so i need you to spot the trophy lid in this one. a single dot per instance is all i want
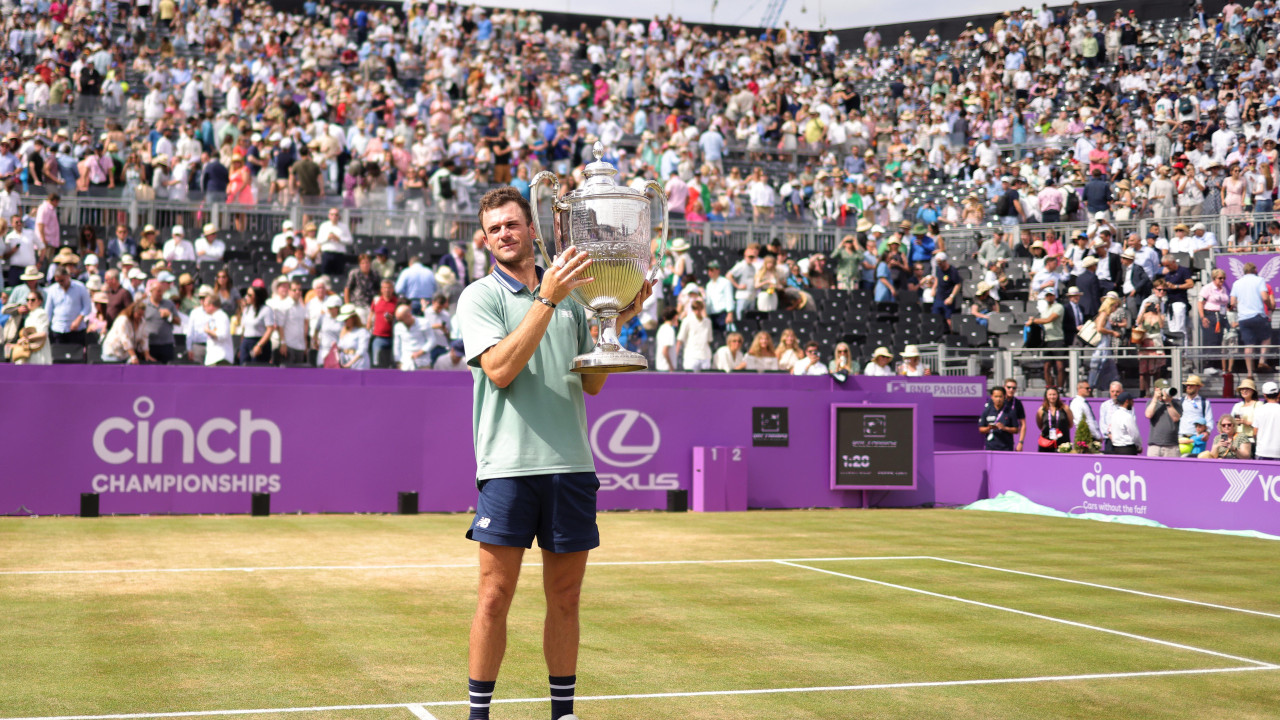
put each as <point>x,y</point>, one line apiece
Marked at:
<point>600,173</point>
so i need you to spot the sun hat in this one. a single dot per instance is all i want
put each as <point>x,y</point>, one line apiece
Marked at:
<point>1247,384</point>
<point>148,229</point>
<point>679,245</point>
<point>178,230</point>
<point>91,259</point>
<point>210,228</point>
<point>1129,254</point>
<point>1113,295</point>
<point>348,311</point>
<point>93,284</point>
<point>204,291</point>
<point>1193,380</point>
<point>983,288</point>
<point>864,225</point>
<point>1090,261</point>
<point>31,273</point>
<point>882,351</point>
<point>100,297</point>
<point>137,274</point>
<point>910,351</point>
<point>127,259</point>
<point>66,257</point>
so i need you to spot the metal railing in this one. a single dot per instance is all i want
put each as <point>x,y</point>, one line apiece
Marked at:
<point>1099,366</point>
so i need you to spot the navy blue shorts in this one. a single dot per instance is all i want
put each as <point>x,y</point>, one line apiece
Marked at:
<point>1255,330</point>
<point>558,509</point>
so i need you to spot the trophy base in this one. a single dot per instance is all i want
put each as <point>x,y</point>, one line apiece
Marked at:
<point>609,361</point>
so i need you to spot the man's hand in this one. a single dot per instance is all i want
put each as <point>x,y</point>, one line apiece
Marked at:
<point>645,291</point>
<point>566,275</point>
<point>75,324</point>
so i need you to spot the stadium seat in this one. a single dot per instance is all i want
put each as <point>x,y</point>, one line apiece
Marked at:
<point>999,323</point>
<point>67,353</point>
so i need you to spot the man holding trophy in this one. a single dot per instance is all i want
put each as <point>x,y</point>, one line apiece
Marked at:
<point>532,357</point>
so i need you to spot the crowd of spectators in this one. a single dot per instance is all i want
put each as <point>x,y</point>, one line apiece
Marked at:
<point>1178,426</point>
<point>1039,118</point>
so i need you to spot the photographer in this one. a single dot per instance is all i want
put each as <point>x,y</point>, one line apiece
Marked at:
<point>1163,411</point>
<point>999,421</point>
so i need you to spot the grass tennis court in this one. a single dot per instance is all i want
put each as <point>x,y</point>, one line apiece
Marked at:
<point>803,614</point>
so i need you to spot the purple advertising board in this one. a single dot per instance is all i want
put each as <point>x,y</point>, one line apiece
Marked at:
<point>200,440</point>
<point>1232,264</point>
<point>1201,494</point>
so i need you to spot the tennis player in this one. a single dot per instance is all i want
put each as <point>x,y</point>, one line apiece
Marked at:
<point>534,467</point>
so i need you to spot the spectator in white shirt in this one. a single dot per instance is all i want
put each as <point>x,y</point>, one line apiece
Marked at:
<point>719,294</point>
<point>437,323</point>
<point>179,248</point>
<point>209,331</point>
<point>455,359</point>
<point>290,317</point>
<point>730,357</point>
<point>209,249</point>
<point>326,327</point>
<point>286,236</point>
<point>1266,425</point>
<point>1124,427</point>
<point>334,238</point>
<point>665,355</point>
<point>1080,408</point>
<point>693,341</point>
<point>411,341</point>
<point>811,363</point>
<point>881,364</point>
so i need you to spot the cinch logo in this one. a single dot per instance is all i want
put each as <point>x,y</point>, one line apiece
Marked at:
<point>936,389</point>
<point>1238,481</point>
<point>147,444</point>
<point>619,453</point>
<point>1098,484</point>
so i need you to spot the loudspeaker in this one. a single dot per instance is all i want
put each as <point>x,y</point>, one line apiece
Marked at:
<point>407,503</point>
<point>261,504</point>
<point>677,501</point>
<point>89,505</point>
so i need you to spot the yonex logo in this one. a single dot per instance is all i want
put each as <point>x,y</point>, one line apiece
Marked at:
<point>1239,481</point>
<point>617,452</point>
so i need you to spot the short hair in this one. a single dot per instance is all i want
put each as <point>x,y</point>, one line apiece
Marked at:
<point>995,389</point>
<point>811,344</point>
<point>669,314</point>
<point>440,297</point>
<point>498,197</point>
<point>1010,380</point>
<point>364,256</point>
<point>1250,268</point>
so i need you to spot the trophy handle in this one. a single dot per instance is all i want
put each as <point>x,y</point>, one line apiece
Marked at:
<point>538,179</point>
<point>666,227</point>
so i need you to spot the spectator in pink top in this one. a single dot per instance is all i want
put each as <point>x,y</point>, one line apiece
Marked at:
<point>1053,246</point>
<point>1051,200</point>
<point>48,230</point>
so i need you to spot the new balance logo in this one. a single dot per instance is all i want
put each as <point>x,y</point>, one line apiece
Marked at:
<point>1239,481</point>
<point>482,523</point>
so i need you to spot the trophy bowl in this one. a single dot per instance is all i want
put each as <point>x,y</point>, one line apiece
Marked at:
<point>613,225</point>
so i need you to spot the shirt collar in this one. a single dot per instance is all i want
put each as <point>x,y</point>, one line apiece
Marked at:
<point>511,283</point>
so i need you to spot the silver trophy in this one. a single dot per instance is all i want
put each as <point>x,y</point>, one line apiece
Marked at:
<point>611,223</point>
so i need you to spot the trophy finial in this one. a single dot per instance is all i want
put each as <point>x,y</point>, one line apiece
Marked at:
<point>597,150</point>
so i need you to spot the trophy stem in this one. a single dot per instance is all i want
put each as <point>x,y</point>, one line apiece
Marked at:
<point>608,333</point>
<point>609,356</point>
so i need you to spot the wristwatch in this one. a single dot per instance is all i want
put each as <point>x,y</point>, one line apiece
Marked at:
<point>545,301</point>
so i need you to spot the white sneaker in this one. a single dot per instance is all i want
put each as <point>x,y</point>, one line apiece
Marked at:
<point>568,717</point>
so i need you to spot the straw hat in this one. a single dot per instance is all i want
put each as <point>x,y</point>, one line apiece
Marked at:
<point>347,311</point>
<point>984,287</point>
<point>31,273</point>
<point>1247,384</point>
<point>910,351</point>
<point>864,225</point>
<point>882,351</point>
<point>210,228</point>
<point>1193,380</point>
<point>66,257</point>
<point>680,245</point>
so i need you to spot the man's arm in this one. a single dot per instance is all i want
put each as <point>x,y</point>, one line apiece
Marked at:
<point>504,361</point>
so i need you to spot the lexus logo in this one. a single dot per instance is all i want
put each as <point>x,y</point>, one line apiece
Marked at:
<point>617,452</point>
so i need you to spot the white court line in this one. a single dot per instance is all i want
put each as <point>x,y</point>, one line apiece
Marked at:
<point>648,696</point>
<point>1072,623</point>
<point>420,712</point>
<point>1110,587</point>
<point>437,566</point>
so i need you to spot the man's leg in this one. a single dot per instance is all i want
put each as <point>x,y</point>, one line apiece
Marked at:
<point>562,575</point>
<point>499,572</point>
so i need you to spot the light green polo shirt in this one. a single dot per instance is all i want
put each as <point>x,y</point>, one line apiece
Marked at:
<point>537,425</point>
